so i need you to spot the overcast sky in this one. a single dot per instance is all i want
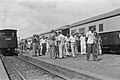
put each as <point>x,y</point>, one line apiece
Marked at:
<point>37,16</point>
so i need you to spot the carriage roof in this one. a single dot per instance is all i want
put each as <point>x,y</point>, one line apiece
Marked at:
<point>8,30</point>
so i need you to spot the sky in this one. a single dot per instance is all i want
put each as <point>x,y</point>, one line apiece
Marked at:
<point>38,16</point>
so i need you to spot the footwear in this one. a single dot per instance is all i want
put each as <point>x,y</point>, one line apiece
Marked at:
<point>74,57</point>
<point>40,55</point>
<point>88,60</point>
<point>95,60</point>
<point>34,55</point>
<point>60,58</point>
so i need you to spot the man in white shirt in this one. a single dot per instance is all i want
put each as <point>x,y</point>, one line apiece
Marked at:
<point>90,44</point>
<point>61,39</point>
<point>83,43</point>
<point>44,48</point>
<point>72,41</point>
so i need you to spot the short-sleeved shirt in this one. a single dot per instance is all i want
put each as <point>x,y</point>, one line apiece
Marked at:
<point>82,39</point>
<point>67,39</point>
<point>43,40</point>
<point>76,38</point>
<point>90,37</point>
<point>61,38</point>
<point>72,39</point>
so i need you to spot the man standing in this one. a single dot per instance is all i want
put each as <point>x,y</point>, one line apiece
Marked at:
<point>43,42</point>
<point>38,45</point>
<point>99,45</point>
<point>56,45</point>
<point>34,44</point>
<point>83,43</point>
<point>90,44</point>
<point>67,45</point>
<point>52,43</point>
<point>61,39</point>
<point>73,43</point>
<point>76,43</point>
<point>21,46</point>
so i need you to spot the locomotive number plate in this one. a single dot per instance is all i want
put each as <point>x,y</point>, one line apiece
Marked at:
<point>8,39</point>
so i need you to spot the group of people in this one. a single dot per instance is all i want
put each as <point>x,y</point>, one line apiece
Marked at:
<point>22,45</point>
<point>60,46</point>
<point>64,46</point>
<point>37,45</point>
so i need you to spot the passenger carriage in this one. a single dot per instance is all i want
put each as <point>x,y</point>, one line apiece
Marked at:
<point>108,27</point>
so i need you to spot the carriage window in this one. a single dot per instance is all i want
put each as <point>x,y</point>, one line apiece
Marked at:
<point>2,33</point>
<point>94,26</point>
<point>6,34</point>
<point>73,31</point>
<point>12,33</point>
<point>100,27</point>
<point>82,30</point>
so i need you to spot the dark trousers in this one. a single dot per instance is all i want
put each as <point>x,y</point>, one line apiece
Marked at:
<point>91,48</point>
<point>44,48</point>
<point>56,51</point>
<point>52,51</point>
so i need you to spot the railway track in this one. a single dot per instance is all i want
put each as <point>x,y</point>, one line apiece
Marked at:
<point>19,69</point>
<point>12,72</point>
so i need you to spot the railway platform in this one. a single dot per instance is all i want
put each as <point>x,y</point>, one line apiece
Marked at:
<point>3,74</point>
<point>106,68</point>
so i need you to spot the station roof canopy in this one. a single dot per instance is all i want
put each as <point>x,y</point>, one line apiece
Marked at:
<point>97,18</point>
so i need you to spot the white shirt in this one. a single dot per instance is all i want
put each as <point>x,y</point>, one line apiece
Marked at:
<point>82,39</point>
<point>43,40</point>
<point>67,39</point>
<point>61,38</point>
<point>90,37</point>
<point>72,39</point>
<point>76,38</point>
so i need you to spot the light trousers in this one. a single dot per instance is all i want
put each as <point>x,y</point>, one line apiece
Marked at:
<point>61,50</point>
<point>66,48</point>
<point>73,49</point>
<point>83,48</point>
